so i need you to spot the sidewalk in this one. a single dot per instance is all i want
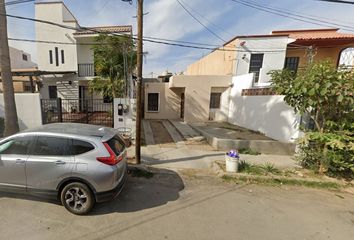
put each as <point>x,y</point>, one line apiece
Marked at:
<point>189,158</point>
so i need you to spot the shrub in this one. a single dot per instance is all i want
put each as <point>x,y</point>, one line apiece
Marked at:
<point>330,152</point>
<point>326,95</point>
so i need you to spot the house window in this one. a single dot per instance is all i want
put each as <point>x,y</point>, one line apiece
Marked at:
<point>27,87</point>
<point>256,64</point>
<point>62,56</point>
<point>50,56</point>
<point>291,63</point>
<point>24,57</point>
<point>52,92</point>
<point>153,102</point>
<point>56,56</point>
<point>215,100</point>
<point>346,59</point>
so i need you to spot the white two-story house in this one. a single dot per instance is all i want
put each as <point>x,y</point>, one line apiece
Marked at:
<point>66,54</point>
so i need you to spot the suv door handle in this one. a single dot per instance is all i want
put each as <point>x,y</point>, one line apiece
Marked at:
<point>20,161</point>
<point>59,162</point>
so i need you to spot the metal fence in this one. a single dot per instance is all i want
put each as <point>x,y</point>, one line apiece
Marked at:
<point>90,111</point>
<point>86,70</point>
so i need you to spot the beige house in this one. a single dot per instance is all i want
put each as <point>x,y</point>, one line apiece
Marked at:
<point>232,84</point>
<point>190,98</point>
<point>22,68</point>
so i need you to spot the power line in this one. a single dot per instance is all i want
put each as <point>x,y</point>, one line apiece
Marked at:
<point>310,15</point>
<point>101,8</point>
<point>291,15</point>
<point>195,18</point>
<point>337,1</point>
<point>17,2</point>
<point>157,42</point>
<point>146,39</point>
<point>206,19</point>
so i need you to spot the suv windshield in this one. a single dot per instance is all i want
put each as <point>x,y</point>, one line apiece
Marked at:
<point>116,144</point>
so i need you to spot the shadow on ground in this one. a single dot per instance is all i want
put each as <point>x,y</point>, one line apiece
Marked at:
<point>143,193</point>
<point>139,193</point>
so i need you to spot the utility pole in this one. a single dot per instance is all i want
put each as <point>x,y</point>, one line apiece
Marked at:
<point>11,120</point>
<point>310,52</point>
<point>139,82</point>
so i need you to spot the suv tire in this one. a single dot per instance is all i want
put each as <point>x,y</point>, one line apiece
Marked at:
<point>77,198</point>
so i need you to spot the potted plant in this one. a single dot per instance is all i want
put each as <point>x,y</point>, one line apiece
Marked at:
<point>232,159</point>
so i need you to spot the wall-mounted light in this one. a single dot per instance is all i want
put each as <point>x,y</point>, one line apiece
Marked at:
<point>244,56</point>
<point>70,82</point>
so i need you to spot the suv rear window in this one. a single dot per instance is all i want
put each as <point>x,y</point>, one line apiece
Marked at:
<point>80,147</point>
<point>116,144</point>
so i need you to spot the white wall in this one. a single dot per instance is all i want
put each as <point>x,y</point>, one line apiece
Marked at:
<point>128,119</point>
<point>28,109</point>
<point>274,55</point>
<point>17,61</point>
<point>64,89</point>
<point>267,114</point>
<point>85,52</point>
<point>55,12</point>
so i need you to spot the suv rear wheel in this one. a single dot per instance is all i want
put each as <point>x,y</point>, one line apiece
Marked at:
<point>77,198</point>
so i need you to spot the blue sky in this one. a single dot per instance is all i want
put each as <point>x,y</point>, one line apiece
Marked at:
<point>167,19</point>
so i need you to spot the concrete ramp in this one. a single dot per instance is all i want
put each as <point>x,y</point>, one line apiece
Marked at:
<point>187,132</point>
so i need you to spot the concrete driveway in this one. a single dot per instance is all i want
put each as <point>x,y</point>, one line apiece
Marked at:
<point>169,206</point>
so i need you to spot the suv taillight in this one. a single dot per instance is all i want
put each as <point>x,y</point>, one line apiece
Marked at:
<point>112,159</point>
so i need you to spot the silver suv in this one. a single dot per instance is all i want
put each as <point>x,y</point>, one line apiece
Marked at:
<point>78,164</point>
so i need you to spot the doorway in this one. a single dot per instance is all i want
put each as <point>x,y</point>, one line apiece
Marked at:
<point>182,106</point>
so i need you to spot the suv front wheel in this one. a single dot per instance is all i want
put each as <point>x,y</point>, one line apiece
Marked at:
<point>77,198</point>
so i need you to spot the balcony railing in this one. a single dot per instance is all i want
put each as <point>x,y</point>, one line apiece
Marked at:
<point>86,70</point>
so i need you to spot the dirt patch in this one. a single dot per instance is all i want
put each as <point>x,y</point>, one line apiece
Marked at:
<point>161,135</point>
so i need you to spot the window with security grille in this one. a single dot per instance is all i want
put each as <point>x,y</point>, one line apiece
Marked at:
<point>346,58</point>
<point>256,64</point>
<point>292,63</point>
<point>215,100</point>
<point>153,102</point>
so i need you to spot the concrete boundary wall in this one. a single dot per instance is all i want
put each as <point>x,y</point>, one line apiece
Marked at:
<point>28,109</point>
<point>269,115</point>
<point>262,146</point>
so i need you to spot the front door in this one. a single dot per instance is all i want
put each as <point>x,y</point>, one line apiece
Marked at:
<point>13,157</point>
<point>49,162</point>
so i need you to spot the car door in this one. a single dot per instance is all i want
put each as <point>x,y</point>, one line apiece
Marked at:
<point>49,162</point>
<point>13,156</point>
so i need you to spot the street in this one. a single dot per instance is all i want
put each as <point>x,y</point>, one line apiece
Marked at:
<point>187,206</point>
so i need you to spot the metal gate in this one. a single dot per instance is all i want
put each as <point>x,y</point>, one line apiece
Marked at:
<point>90,111</point>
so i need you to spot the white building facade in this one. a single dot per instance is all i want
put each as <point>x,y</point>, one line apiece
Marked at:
<point>21,59</point>
<point>67,53</point>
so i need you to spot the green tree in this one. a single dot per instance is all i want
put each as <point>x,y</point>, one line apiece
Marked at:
<point>114,59</point>
<point>319,90</point>
<point>326,95</point>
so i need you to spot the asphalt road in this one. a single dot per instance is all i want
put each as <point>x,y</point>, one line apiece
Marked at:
<point>169,207</point>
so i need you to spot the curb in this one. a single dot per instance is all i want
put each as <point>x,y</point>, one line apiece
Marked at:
<point>280,179</point>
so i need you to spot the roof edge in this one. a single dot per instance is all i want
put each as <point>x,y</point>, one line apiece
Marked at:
<point>255,36</point>
<point>305,30</point>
